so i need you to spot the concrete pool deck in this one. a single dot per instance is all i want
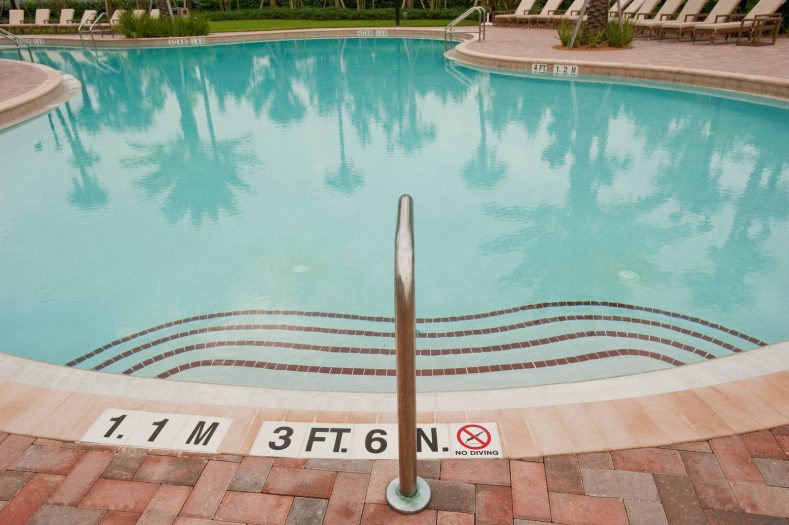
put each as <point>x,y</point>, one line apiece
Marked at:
<point>592,452</point>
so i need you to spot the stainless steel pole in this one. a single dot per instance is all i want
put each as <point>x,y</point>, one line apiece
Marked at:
<point>405,340</point>
<point>408,493</point>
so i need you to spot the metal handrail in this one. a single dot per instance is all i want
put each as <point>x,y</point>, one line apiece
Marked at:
<point>408,493</point>
<point>82,24</point>
<point>93,25</point>
<point>19,41</point>
<point>481,30</point>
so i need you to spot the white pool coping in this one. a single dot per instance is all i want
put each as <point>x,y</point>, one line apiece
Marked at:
<point>745,365</point>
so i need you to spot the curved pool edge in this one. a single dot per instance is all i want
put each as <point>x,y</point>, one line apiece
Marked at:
<point>759,85</point>
<point>54,88</point>
<point>726,396</point>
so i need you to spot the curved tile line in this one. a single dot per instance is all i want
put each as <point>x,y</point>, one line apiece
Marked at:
<point>423,335</point>
<point>431,352</point>
<point>430,372</point>
<point>494,313</point>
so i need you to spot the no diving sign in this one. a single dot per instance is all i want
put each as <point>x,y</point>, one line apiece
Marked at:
<point>315,440</point>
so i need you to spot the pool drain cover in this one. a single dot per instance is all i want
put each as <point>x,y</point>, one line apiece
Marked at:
<point>627,275</point>
<point>301,268</point>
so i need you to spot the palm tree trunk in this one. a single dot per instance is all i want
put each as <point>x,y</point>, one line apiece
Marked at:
<point>597,16</point>
<point>162,5</point>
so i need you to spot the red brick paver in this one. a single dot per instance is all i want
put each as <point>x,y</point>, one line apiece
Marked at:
<point>260,509</point>
<point>587,510</point>
<point>730,480</point>
<point>127,496</point>
<point>300,482</point>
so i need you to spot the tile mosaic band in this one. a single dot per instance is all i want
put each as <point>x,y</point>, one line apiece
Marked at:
<point>430,372</point>
<point>426,320</point>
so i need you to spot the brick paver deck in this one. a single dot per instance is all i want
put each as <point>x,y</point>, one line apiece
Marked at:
<point>730,480</point>
<point>17,78</point>
<point>770,61</point>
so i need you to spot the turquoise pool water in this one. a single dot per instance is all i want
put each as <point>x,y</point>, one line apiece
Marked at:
<point>227,213</point>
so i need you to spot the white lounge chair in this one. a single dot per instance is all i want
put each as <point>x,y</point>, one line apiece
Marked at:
<point>155,14</point>
<point>42,19</point>
<point>572,12</point>
<point>652,27</point>
<point>503,17</point>
<point>66,19</point>
<point>720,12</point>
<point>16,20</point>
<point>762,18</point>
<point>550,7</point>
<point>627,12</point>
<point>646,10</point>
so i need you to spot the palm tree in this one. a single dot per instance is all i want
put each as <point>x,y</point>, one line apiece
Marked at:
<point>597,16</point>
<point>196,178</point>
<point>86,191</point>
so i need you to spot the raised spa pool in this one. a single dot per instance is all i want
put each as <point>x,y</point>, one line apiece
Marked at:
<point>226,214</point>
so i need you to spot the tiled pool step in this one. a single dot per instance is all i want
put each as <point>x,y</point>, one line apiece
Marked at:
<point>266,346</point>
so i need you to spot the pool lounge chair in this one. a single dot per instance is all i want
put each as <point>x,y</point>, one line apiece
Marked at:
<point>42,20</point>
<point>762,19</point>
<point>16,20</point>
<point>572,13</point>
<point>645,10</point>
<point>627,12</point>
<point>88,17</point>
<point>505,17</point>
<point>66,20</point>
<point>721,11</point>
<point>652,27</point>
<point>110,25</point>
<point>550,7</point>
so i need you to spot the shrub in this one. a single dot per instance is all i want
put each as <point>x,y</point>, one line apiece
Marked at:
<point>617,38</point>
<point>565,31</point>
<point>583,38</point>
<point>610,34</point>
<point>147,27</point>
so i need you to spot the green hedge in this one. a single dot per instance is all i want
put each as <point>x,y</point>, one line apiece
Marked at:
<point>329,13</point>
<point>313,9</point>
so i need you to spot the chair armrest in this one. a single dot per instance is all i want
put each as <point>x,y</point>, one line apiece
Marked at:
<point>668,17</point>
<point>555,12</point>
<point>728,18</point>
<point>575,12</point>
<point>643,16</point>
<point>693,17</point>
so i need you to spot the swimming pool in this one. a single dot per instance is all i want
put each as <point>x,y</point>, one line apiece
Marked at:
<point>226,214</point>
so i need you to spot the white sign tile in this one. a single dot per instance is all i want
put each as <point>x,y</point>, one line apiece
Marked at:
<point>158,430</point>
<point>475,440</point>
<point>280,439</point>
<point>202,434</point>
<point>565,70</point>
<point>113,427</point>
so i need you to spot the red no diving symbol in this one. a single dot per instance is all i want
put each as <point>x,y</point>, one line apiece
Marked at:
<point>475,437</point>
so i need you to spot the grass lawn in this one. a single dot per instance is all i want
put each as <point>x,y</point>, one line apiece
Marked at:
<point>263,25</point>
